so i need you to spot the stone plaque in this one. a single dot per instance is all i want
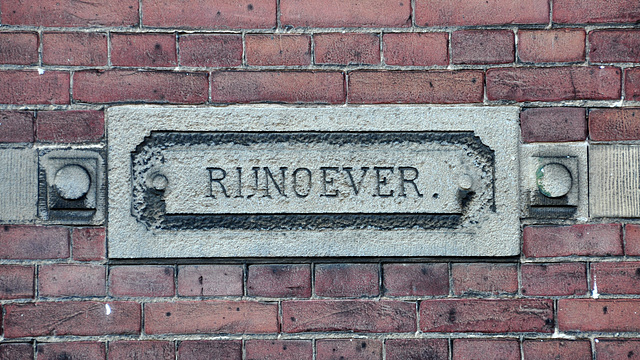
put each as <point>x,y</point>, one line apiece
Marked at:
<point>325,181</point>
<point>614,181</point>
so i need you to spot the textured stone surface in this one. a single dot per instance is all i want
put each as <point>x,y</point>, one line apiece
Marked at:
<point>18,184</point>
<point>614,185</point>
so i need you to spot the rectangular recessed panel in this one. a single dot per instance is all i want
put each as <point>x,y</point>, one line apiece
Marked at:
<point>614,180</point>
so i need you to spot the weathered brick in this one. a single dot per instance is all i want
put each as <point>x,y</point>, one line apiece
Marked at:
<point>556,349</point>
<point>416,349</point>
<point>486,349</point>
<point>279,280</point>
<point>89,244</point>
<point>153,49</point>
<point>632,84</point>
<point>74,48</point>
<point>616,315</point>
<point>553,124</point>
<point>70,126</point>
<point>490,316</point>
<point>614,45</point>
<point>16,351</point>
<point>554,279</point>
<point>277,86</point>
<point>210,50</point>
<point>347,48</point>
<point>481,12</point>
<point>16,126</point>
<point>348,315</point>
<point>29,87</point>
<point>614,124</point>
<point>279,349</point>
<point>210,349</point>
<point>346,13</point>
<point>554,84</point>
<point>16,281</point>
<point>72,280</point>
<point>415,279</point>
<point>617,349</point>
<point>71,350</point>
<point>210,280</point>
<point>212,316</point>
<point>160,350</point>
<point>356,349</point>
<point>140,86</point>
<point>547,46</point>
<point>632,240</point>
<point>19,48</point>
<point>616,277</point>
<point>210,14</point>
<point>416,49</point>
<point>593,11</point>
<point>446,87</point>
<point>583,240</point>
<point>82,318</point>
<point>141,280</point>
<point>33,242</point>
<point>347,280</point>
<point>275,49</point>
<point>484,278</point>
<point>70,13</point>
<point>482,47</point>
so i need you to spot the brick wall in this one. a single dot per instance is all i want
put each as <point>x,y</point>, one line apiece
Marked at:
<point>573,66</point>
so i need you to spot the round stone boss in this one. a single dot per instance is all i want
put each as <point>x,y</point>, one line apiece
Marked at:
<point>72,182</point>
<point>554,180</point>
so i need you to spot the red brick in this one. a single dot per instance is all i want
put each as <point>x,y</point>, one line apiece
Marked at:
<point>71,350</point>
<point>141,280</point>
<point>345,13</point>
<point>614,124</point>
<point>632,240</point>
<point>632,84</point>
<point>339,48</point>
<point>29,87</point>
<point>16,126</point>
<point>593,11</point>
<point>554,279</point>
<point>70,126</point>
<point>16,281</point>
<point>556,349</point>
<point>279,280</point>
<point>553,84</point>
<point>481,12</point>
<point>89,244</point>
<point>446,87</point>
<point>272,49</point>
<point>617,315</point>
<point>140,86</point>
<point>486,349</point>
<point>482,47</point>
<point>34,242</point>
<point>210,280</point>
<point>277,86</point>
<point>490,316</point>
<point>70,13</point>
<point>16,351</point>
<point>348,315</point>
<point>553,124</point>
<point>152,49</point>
<point>547,46</point>
<point>219,50</point>
<point>210,349</point>
<point>212,316</point>
<point>416,349</point>
<point>494,279</point>
<point>614,45</point>
<point>19,48</point>
<point>416,49</point>
<point>210,14</point>
<point>279,349</point>
<point>160,350</point>
<point>347,280</point>
<point>72,280</point>
<point>616,278</point>
<point>582,240</point>
<point>617,349</point>
<point>356,349</point>
<point>415,279</point>
<point>74,48</point>
<point>82,318</point>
